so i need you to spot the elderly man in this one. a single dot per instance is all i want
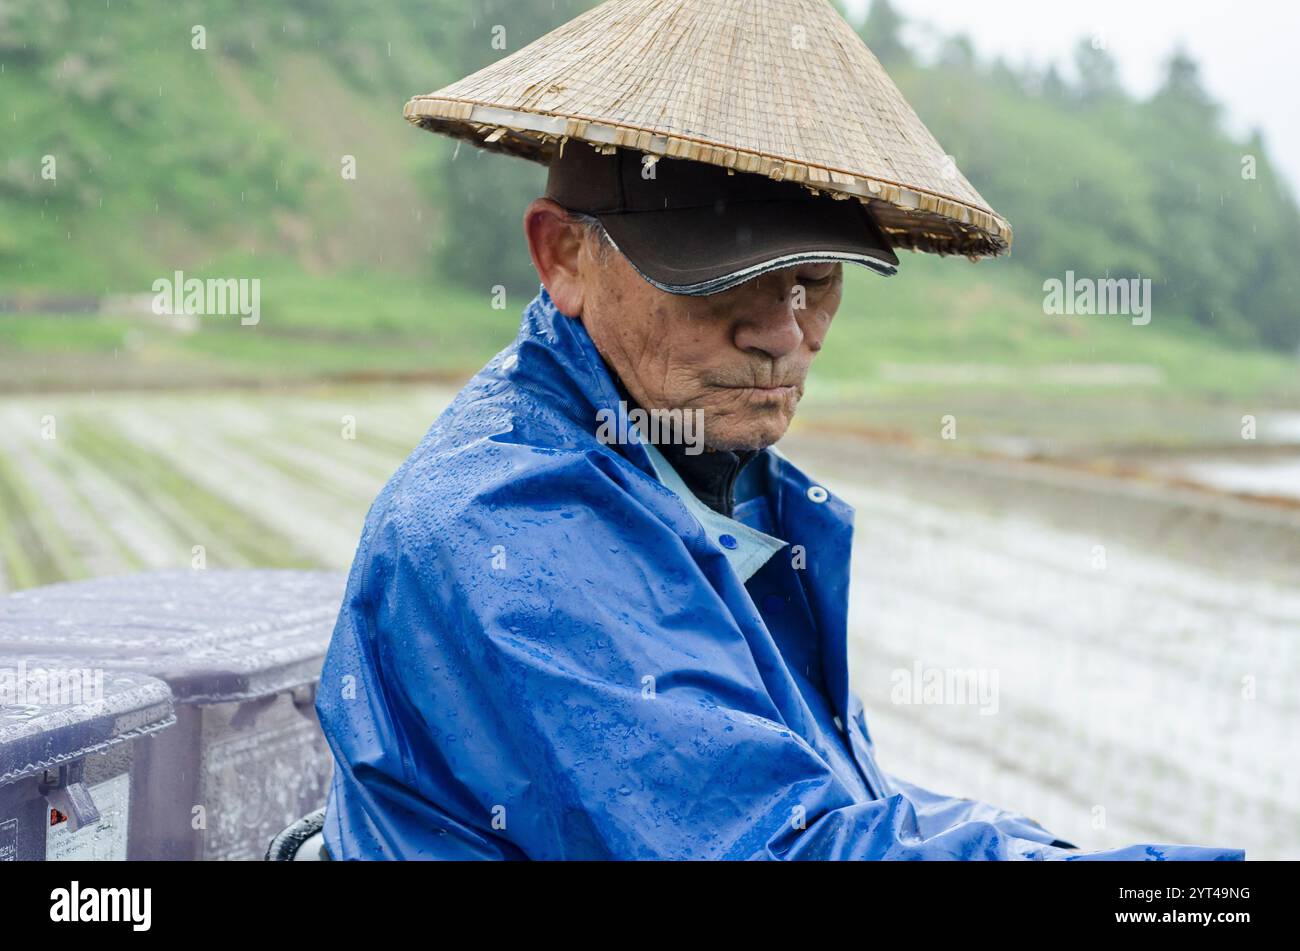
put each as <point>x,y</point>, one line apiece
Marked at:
<point>566,636</point>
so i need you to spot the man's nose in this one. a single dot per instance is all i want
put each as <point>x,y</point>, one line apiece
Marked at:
<point>769,318</point>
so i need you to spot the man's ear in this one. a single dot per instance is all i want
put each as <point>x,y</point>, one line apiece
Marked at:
<point>555,245</point>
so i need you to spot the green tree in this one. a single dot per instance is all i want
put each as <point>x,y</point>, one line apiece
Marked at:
<point>1182,90</point>
<point>883,32</point>
<point>1098,74</point>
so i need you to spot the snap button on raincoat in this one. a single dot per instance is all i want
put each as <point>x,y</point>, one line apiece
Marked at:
<point>543,653</point>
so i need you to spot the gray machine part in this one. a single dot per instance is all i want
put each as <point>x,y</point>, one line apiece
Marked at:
<point>241,652</point>
<point>69,733</point>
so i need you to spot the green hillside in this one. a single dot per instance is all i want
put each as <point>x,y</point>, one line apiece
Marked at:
<point>170,156</point>
<point>228,161</point>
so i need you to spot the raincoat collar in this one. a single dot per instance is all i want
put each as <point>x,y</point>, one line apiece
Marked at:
<point>555,355</point>
<point>747,549</point>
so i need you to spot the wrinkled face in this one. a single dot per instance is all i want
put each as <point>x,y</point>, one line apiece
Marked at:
<point>741,356</point>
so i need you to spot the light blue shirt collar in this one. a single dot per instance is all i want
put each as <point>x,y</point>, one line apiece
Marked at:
<point>747,549</point>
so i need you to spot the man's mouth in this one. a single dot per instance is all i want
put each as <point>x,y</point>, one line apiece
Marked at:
<point>761,387</point>
<point>765,393</point>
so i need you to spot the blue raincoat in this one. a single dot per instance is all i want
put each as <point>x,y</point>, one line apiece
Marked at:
<point>549,649</point>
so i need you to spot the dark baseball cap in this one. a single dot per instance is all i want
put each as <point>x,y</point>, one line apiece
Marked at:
<point>693,228</point>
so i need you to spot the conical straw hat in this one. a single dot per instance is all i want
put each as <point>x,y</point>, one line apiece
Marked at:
<point>782,88</point>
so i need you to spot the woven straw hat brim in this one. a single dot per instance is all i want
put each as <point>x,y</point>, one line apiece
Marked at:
<point>782,88</point>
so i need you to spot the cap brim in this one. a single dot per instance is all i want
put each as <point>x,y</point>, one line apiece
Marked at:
<point>700,251</point>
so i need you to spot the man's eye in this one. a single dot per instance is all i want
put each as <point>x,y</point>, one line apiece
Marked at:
<point>817,281</point>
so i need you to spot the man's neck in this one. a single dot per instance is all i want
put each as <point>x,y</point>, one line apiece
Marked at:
<point>710,474</point>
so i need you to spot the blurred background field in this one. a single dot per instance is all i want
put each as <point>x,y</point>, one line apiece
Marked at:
<point>1120,683</point>
<point>127,439</point>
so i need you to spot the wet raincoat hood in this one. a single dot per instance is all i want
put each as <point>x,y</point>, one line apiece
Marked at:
<point>546,652</point>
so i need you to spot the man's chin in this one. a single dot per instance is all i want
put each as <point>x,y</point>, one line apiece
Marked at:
<point>740,435</point>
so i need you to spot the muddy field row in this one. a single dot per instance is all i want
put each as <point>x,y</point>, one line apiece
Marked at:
<point>1128,693</point>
